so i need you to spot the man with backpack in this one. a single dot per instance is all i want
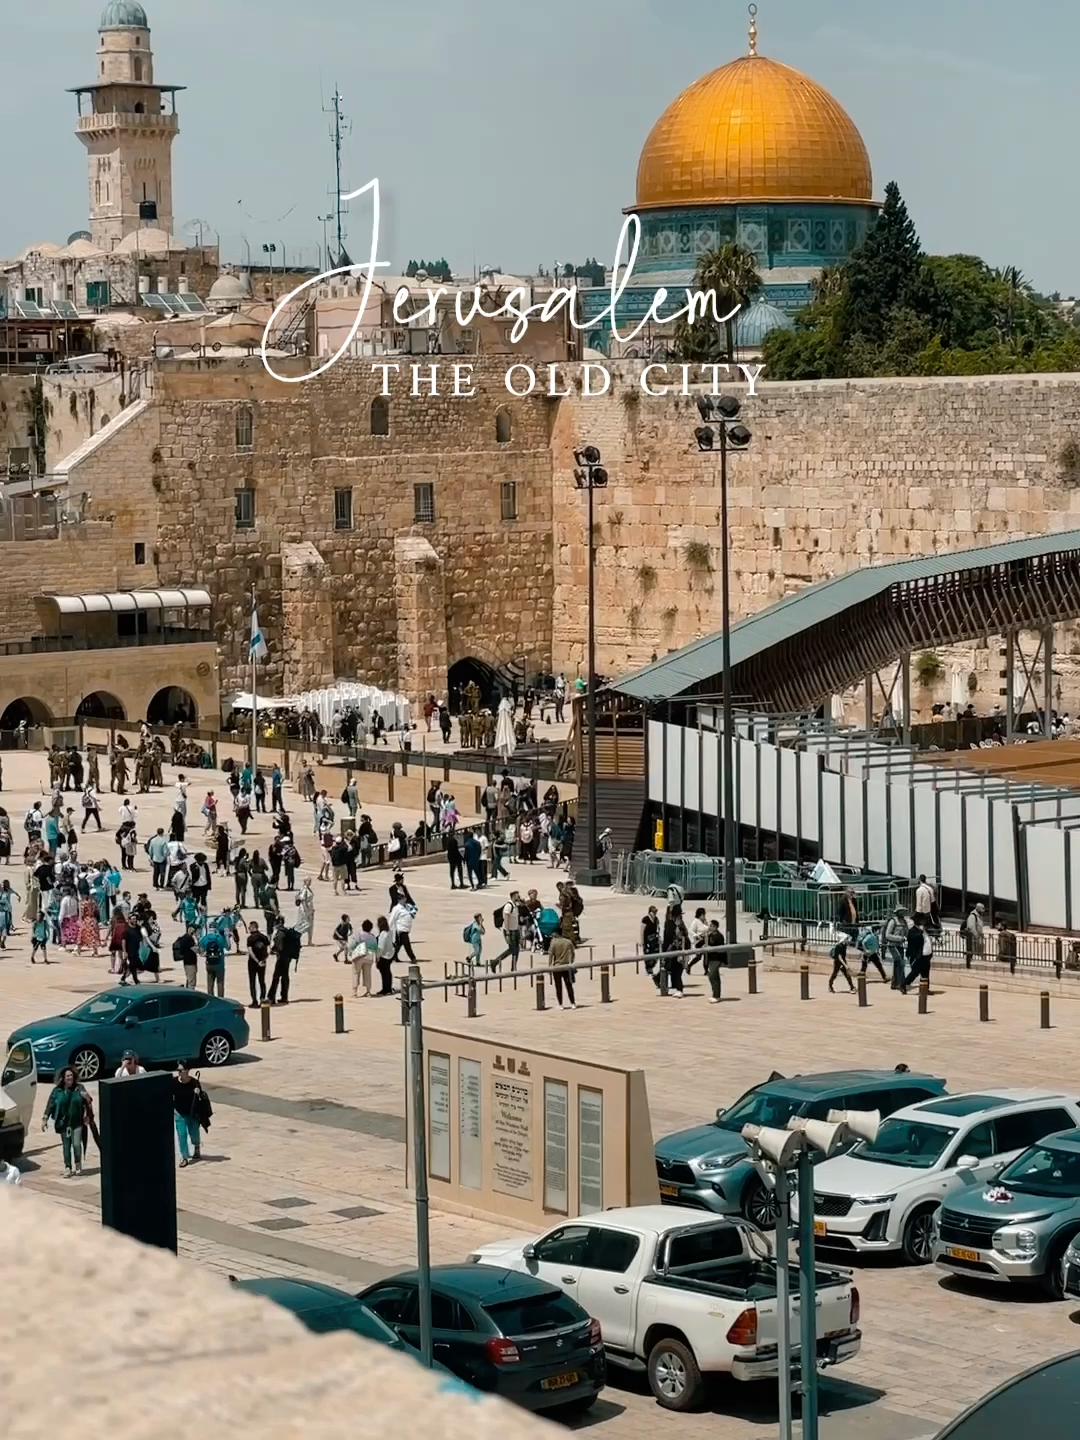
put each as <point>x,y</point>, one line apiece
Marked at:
<point>213,948</point>
<point>286,947</point>
<point>920,952</point>
<point>508,920</point>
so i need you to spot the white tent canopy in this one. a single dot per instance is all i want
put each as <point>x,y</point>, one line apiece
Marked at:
<point>333,701</point>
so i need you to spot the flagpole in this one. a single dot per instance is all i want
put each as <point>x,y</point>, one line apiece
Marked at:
<point>254,701</point>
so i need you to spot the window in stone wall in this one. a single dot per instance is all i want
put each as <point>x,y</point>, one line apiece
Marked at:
<point>245,428</point>
<point>380,415</point>
<point>423,504</point>
<point>343,509</point>
<point>504,427</point>
<point>508,499</point>
<point>97,293</point>
<point>245,509</point>
<point>140,552</point>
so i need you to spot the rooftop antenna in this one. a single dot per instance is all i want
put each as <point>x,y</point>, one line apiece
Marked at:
<point>340,127</point>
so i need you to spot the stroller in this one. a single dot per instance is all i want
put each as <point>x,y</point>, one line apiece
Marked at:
<point>547,923</point>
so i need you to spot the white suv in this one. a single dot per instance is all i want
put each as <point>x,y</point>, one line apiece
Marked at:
<point>884,1194</point>
<point>18,1090</point>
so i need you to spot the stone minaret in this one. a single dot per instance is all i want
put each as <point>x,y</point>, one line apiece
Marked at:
<point>128,134</point>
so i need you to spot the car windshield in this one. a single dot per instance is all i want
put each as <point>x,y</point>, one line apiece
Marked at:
<point>763,1105</point>
<point>1045,1171</point>
<point>101,1009</point>
<point>906,1142</point>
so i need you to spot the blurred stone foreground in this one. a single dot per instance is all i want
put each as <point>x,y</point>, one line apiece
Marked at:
<point>122,1341</point>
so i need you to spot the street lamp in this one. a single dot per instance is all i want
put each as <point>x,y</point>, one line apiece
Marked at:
<point>730,435</point>
<point>590,475</point>
<point>785,1158</point>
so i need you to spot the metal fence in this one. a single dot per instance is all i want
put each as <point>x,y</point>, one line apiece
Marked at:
<point>652,872</point>
<point>1016,953</point>
<point>818,904</point>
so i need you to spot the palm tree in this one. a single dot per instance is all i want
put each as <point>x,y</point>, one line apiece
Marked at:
<point>731,271</point>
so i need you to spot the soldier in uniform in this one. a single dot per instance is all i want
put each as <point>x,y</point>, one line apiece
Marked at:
<point>93,773</point>
<point>118,772</point>
<point>472,697</point>
<point>174,742</point>
<point>157,750</point>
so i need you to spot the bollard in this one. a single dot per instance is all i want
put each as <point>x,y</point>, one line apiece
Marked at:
<point>1044,1010</point>
<point>265,1008</point>
<point>339,1015</point>
<point>751,977</point>
<point>540,993</point>
<point>470,995</point>
<point>860,985</point>
<point>924,996</point>
<point>984,1002</point>
<point>804,982</point>
<point>605,984</point>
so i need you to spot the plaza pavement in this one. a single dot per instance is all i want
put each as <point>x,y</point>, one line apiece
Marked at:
<point>304,1167</point>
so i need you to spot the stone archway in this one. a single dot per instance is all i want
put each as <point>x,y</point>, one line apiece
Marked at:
<point>27,709</point>
<point>465,672</point>
<point>172,704</point>
<point>100,705</point>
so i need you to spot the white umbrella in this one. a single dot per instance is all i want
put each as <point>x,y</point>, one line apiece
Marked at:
<point>836,709</point>
<point>504,728</point>
<point>956,689</point>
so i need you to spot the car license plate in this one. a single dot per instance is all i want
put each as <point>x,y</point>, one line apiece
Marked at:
<point>820,1228</point>
<point>560,1382</point>
<point>672,1191</point>
<point>969,1255</point>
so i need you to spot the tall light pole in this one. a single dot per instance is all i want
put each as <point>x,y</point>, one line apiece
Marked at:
<point>590,475</point>
<point>725,410</point>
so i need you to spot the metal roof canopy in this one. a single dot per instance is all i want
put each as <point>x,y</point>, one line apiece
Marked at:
<point>128,600</point>
<point>828,637</point>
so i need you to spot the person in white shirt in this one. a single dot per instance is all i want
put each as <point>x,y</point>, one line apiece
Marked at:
<point>9,1175</point>
<point>128,813</point>
<point>401,923</point>
<point>697,930</point>
<point>129,1066</point>
<point>180,803</point>
<point>924,900</point>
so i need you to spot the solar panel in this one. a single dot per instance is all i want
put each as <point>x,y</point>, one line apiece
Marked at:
<point>65,309</point>
<point>156,302</point>
<point>28,310</point>
<point>193,304</point>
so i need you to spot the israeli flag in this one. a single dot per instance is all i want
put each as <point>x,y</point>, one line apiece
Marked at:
<point>257,649</point>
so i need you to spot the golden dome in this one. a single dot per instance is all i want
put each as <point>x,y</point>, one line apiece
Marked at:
<point>753,130</point>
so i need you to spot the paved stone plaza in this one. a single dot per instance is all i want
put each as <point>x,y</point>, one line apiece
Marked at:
<point>303,1168</point>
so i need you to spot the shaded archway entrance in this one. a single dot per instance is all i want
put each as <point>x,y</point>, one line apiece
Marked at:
<point>100,705</point>
<point>468,671</point>
<point>171,705</point>
<point>26,710</point>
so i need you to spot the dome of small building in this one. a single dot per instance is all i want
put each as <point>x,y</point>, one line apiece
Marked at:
<point>149,241</point>
<point>123,15</point>
<point>228,288</point>
<point>759,320</point>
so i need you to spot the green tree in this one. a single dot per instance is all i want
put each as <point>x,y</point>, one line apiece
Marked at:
<point>731,273</point>
<point>884,274</point>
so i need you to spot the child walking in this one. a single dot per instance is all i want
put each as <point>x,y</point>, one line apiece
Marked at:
<point>342,932</point>
<point>39,936</point>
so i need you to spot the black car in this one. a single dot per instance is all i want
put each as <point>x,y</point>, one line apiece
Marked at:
<point>1043,1401</point>
<point>509,1334</point>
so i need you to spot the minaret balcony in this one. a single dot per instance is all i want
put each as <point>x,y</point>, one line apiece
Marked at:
<point>113,120</point>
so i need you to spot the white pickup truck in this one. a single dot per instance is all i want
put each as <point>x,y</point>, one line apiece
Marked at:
<point>18,1090</point>
<point>681,1294</point>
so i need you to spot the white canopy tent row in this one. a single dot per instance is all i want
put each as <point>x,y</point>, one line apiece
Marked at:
<point>333,701</point>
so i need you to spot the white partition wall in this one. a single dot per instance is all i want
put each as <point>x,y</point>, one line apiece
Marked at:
<point>899,824</point>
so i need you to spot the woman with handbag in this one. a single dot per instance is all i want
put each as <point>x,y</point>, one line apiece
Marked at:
<point>190,1106</point>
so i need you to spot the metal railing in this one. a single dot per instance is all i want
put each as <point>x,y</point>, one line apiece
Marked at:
<point>1040,954</point>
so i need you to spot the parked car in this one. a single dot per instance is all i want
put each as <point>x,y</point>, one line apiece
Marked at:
<point>680,1295</point>
<point>163,1027</point>
<point>709,1166</point>
<point>508,1334</point>
<point>1023,1225</point>
<point>324,1310</point>
<point>1042,1400</point>
<point>18,1091</point>
<point>885,1193</point>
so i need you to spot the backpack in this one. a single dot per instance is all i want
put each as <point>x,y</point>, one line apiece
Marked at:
<point>345,796</point>
<point>497,916</point>
<point>577,904</point>
<point>467,934</point>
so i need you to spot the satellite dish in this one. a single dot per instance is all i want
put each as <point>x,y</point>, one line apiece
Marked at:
<point>79,235</point>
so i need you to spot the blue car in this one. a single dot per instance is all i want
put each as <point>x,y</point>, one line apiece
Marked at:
<point>162,1026</point>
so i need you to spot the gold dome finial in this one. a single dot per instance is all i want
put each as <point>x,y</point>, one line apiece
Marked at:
<point>753,29</point>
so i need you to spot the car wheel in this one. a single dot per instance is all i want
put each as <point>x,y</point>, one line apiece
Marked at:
<point>86,1062</point>
<point>759,1205</point>
<point>918,1238</point>
<point>674,1377</point>
<point>1053,1282</point>
<point>216,1049</point>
